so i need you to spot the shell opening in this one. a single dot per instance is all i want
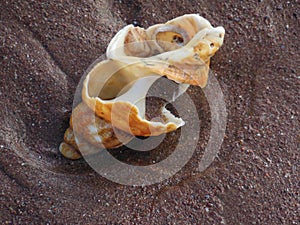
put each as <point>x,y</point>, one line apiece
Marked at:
<point>117,93</point>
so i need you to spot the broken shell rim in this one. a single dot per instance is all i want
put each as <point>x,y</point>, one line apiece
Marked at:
<point>138,126</point>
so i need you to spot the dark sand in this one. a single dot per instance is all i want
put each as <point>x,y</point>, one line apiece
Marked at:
<point>45,49</point>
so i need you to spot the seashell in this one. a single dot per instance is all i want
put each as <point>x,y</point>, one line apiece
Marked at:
<point>114,90</point>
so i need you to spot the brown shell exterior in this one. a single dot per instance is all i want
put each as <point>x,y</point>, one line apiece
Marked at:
<point>92,134</point>
<point>69,151</point>
<point>68,147</point>
<point>95,130</point>
<point>125,117</point>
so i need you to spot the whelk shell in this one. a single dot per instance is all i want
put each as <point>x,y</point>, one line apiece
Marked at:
<point>114,90</point>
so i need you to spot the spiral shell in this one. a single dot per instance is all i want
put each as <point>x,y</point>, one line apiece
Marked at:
<point>114,90</point>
